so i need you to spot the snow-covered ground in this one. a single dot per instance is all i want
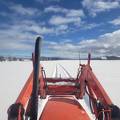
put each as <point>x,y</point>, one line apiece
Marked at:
<point>13,76</point>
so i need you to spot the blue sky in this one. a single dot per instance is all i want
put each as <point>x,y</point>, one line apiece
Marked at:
<point>66,26</point>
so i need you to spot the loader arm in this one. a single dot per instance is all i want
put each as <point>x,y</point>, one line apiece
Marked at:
<point>38,86</point>
<point>28,97</point>
<point>100,103</point>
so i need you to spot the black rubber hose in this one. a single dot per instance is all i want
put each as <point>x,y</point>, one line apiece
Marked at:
<point>13,111</point>
<point>115,112</point>
<point>34,96</point>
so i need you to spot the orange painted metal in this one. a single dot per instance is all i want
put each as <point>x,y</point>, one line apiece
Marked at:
<point>61,90</point>
<point>89,84</point>
<point>63,108</point>
<point>98,89</point>
<point>26,91</point>
<point>67,107</point>
<point>87,78</point>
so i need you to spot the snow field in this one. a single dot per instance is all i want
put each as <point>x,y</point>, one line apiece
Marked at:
<point>13,76</point>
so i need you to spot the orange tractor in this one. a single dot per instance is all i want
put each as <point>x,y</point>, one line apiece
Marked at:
<point>62,99</point>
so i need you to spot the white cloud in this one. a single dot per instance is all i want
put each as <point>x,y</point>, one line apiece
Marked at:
<point>41,30</point>
<point>62,27</point>
<point>64,23</point>
<point>67,12</point>
<point>31,26</point>
<point>15,45</point>
<point>21,36</point>
<point>87,26</point>
<point>55,9</point>
<point>66,15</point>
<point>20,9</point>
<point>115,21</point>
<point>75,13</point>
<point>14,41</point>
<point>97,6</point>
<point>106,44</point>
<point>58,20</point>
